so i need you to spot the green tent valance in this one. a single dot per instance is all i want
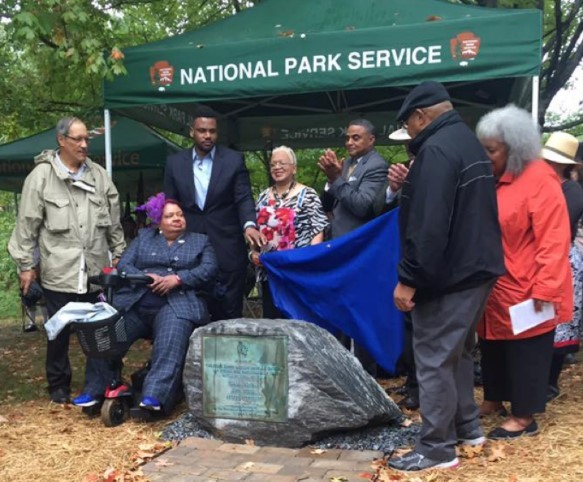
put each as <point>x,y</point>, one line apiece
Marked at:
<point>302,58</point>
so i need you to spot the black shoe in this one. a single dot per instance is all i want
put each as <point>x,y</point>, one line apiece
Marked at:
<point>570,359</point>
<point>500,433</point>
<point>60,395</point>
<point>402,390</point>
<point>410,402</point>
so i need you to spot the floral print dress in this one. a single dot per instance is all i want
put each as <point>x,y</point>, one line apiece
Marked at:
<point>289,222</point>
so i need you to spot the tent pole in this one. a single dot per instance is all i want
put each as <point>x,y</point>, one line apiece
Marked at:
<point>535,95</point>
<point>107,122</point>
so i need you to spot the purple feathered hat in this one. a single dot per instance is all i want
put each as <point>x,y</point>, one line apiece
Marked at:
<point>154,207</point>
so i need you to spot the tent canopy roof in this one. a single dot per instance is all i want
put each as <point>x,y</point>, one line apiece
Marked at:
<point>303,59</point>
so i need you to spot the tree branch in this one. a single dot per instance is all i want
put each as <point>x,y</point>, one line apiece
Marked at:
<point>567,125</point>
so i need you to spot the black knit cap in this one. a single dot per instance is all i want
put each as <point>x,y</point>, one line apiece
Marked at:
<point>424,95</point>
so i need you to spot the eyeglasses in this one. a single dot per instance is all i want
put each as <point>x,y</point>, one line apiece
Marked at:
<point>78,140</point>
<point>279,164</point>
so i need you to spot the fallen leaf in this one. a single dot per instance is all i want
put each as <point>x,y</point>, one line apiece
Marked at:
<point>366,475</point>
<point>433,18</point>
<point>407,422</point>
<point>146,447</point>
<point>248,465</point>
<point>338,479</point>
<point>250,442</point>
<point>318,451</point>
<point>498,453</point>
<point>3,419</point>
<point>469,451</point>
<point>286,33</point>
<point>163,463</point>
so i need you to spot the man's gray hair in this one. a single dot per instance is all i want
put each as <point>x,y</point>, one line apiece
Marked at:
<point>65,124</point>
<point>368,125</point>
<point>517,130</point>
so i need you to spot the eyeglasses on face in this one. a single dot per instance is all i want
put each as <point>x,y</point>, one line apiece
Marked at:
<point>78,140</point>
<point>279,164</point>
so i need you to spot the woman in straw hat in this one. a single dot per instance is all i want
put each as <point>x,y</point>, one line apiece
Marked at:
<point>560,152</point>
<point>536,239</point>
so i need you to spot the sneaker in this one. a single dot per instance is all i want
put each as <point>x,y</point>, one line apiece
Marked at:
<point>85,400</point>
<point>151,403</point>
<point>472,442</point>
<point>414,461</point>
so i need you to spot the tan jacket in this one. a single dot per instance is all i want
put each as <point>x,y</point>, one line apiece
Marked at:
<point>73,223</point>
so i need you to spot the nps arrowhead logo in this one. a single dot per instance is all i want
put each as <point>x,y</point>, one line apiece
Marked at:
<point>162,75</point>
<point>465,47</point>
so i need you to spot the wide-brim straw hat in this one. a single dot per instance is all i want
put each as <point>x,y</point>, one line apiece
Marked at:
<point>561,148</point>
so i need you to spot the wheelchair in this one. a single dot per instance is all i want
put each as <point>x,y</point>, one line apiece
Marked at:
<point>107,339</point>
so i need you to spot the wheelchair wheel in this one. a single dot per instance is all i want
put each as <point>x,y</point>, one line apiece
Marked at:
<point>114,411</point>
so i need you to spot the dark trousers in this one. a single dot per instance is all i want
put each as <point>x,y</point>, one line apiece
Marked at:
<point>366,359</point>
<point>228,304</point>
<point>270,311</point>
<point>556,368</point>
<point>443,339</point>
<point>58,368</point>
<point>518,371</point>
<point>408,358</point>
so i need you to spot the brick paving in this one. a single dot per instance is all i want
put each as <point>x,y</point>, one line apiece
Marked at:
<point>205,460</point>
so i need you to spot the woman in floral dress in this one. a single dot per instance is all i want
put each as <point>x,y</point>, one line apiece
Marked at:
<point>289,214</point>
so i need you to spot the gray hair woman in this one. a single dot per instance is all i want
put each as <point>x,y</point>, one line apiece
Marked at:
<point>535,238</point>
<point>289,215</point>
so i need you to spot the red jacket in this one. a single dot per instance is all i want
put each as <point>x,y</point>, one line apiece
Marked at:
<point>535,238</point>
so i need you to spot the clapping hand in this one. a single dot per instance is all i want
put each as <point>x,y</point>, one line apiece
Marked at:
<point>396,176</point>
<point>330,165</point>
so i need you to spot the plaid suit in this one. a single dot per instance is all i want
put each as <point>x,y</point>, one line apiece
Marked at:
<point>192,258</point>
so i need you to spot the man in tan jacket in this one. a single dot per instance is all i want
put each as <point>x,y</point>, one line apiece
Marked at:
<point>69,210</point>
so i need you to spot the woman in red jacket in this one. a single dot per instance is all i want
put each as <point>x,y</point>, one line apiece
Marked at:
<point>536,237</point>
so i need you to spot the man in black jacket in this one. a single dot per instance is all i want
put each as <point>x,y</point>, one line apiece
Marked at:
<point>452,255</point>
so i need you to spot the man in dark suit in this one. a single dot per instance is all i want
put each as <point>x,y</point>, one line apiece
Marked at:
<point>212,184</point>
<point>355,193</point>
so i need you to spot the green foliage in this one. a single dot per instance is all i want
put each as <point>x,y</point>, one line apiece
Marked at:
<point>9,297</point>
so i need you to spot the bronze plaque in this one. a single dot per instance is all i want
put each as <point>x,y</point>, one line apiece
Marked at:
<point>245,377</point>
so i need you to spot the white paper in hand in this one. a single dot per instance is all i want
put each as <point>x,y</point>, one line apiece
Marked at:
<point>523,317</point>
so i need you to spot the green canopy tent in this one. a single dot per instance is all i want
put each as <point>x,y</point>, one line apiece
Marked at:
<point>139,153</point>
<point>296,72</point>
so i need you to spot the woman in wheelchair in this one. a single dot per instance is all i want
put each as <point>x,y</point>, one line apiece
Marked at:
<point>167,310</point>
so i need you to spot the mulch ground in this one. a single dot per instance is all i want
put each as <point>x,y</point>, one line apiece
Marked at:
<point>41,441</point>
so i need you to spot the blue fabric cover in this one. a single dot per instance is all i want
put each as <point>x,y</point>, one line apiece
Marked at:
<point>345,284</point>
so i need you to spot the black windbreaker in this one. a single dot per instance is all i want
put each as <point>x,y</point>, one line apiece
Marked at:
<point>448,222</point>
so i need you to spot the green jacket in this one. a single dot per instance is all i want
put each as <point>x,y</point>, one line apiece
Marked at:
<point>74,224</point>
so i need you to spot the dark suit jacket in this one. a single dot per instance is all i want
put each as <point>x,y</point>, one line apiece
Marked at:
<point>191,257</point>
<point>229,202</point>
<point>357,200</point>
